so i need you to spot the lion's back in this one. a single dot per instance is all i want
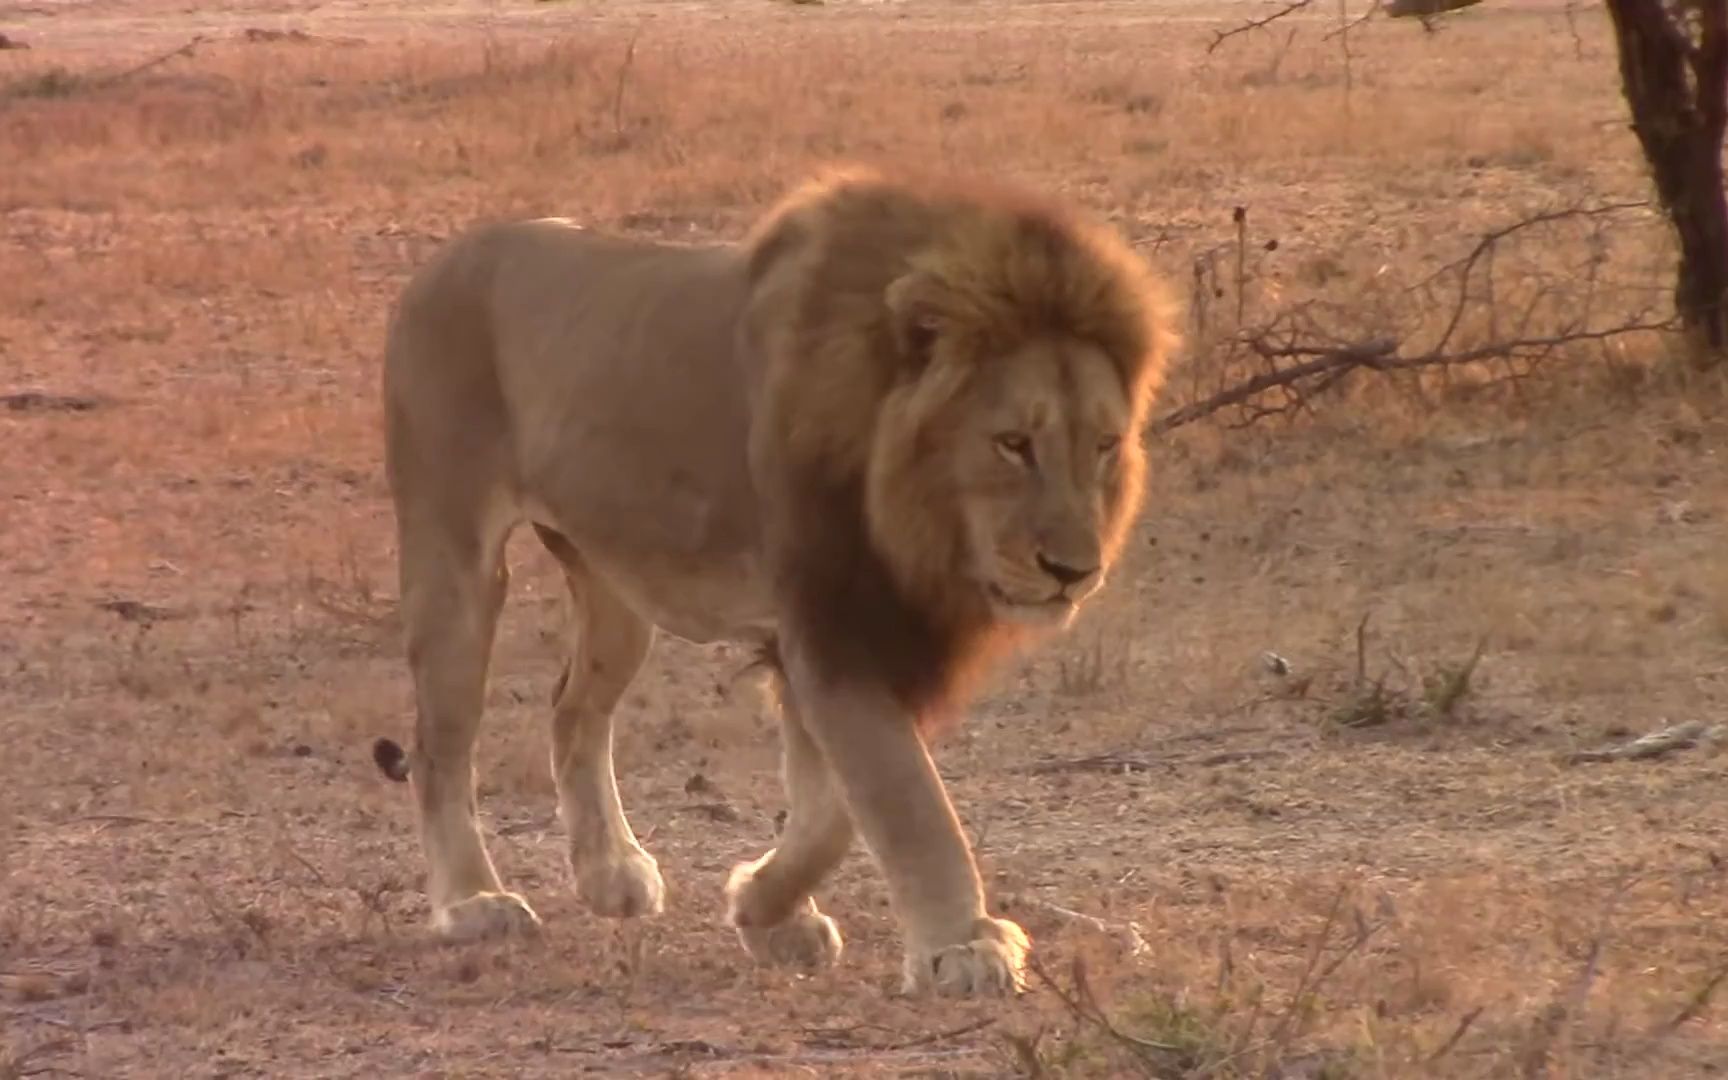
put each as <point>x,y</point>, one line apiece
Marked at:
<point>611,364</point>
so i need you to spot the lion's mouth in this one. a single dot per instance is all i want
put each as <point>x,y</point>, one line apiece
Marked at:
<point>1053,606</point>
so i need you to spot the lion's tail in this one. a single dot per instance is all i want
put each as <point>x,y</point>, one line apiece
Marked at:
<point>391,759</point>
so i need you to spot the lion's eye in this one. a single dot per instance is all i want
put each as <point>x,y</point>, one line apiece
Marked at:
<point>1015,447</point>
<point>1108,445</point>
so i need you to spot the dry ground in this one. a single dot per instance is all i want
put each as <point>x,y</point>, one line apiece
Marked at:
<point>202,874</point>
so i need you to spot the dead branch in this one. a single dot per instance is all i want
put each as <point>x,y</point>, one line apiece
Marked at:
<point>1696,1004</point>
<point>1568,1003</point>
<point>1121,761</point>
<point>1083,1005</point>
<point>1314,972</point>
<point>1342,34</point>
<point>938,1036</point>
<point>623,81</point>
<point>1301,357</point>
<point>1546,1028</point>
<point>1219,37</point>
<point>1321,362</point>
<point>155,61</point>
<point>1653,745</point>
<point>1425,10</point>
<point>1127,934</point>
<point>1457,1035</point>
<point>1572,29</point>
<point>1107,762</point>
<point>1347,24</point>
<point>1465,268</point>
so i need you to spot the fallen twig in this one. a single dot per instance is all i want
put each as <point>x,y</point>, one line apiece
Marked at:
<point>1324,361</point>
<point>1696,1004</point>
<point>1112,761</point>
<point>1127,933</point>
<point>118,819</point>
<point>938,1036</point>
<point>1120,761</point>
<point>154,61</point>
<point>841,1038</point>
<point>1427,10</point>
<point>1655,744</point>
<point>1457,1035</point>
<point>41,401</point>
<point>693,1055</point>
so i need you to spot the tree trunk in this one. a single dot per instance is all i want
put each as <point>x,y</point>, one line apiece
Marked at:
<point>1674,72</point>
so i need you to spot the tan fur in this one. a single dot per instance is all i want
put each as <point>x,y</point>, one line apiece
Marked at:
<point>874,439</point>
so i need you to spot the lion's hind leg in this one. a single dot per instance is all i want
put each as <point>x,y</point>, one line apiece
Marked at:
<point>768,900</point>
<point>453,586</point>
<point>614,875</point>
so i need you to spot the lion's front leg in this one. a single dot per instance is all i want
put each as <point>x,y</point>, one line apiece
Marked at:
<point>898,805</point>
<point>768,900</point>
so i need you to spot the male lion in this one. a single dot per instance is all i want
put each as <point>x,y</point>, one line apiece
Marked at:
<point>893,430</point>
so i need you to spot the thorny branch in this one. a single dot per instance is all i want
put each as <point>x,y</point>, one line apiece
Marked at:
<point>1347,24</point>
<point>155,61</point>
<point>1427,12</point>
<point>1083,1005</point>
<point>1219,37</point>
<point>1344,934</point>
<point>1314,972</point>
<point>1465,268</point>
<point>1301,358</point>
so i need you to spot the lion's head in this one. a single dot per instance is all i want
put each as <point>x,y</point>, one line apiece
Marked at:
<point>956,385</point>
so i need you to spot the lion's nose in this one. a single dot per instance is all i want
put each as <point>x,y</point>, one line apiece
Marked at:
<point>1062,572</point>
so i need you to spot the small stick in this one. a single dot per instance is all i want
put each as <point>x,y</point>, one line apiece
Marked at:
<point>155,61</point>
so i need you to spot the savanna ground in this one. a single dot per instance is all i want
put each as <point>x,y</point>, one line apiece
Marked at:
<point>202,873</point>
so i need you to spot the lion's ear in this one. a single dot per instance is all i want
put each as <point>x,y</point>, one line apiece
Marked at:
<point>914,317</point>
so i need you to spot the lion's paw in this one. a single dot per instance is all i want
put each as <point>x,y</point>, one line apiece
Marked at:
<point>622,887</point>
<point>992,963</point>
<point>806,939</point>
<point>486,915</point>
<point>803,938</point>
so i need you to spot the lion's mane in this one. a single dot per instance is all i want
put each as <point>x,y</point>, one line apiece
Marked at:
<point>850,277</point>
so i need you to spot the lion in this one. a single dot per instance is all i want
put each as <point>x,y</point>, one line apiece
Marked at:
<point>893,431</point>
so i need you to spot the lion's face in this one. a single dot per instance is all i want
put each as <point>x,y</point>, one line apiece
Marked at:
<point>1039,477</point>
<point>982,369</point>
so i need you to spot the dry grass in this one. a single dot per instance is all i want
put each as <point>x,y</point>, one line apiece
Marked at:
<point>201,873</point>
